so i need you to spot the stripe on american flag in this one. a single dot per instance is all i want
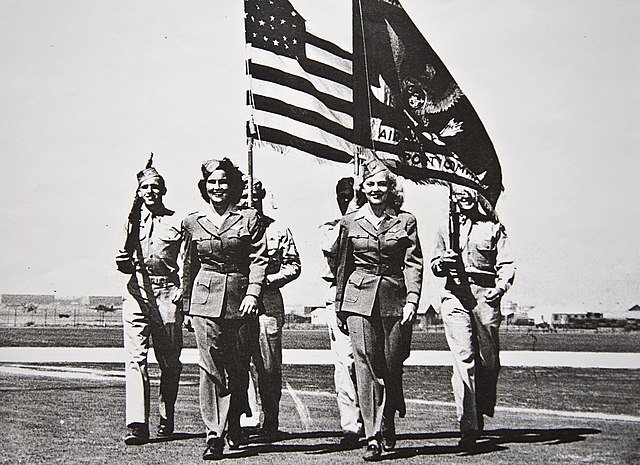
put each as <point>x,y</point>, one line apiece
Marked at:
<point>301,85</point>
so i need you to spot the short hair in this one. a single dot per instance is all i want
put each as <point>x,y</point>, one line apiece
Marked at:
<point>234,178</point>
<point>395,195</point>
<point>258,189</point>
<point>344,184</point>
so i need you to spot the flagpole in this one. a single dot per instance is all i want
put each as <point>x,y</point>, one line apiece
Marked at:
<point>361,120</point>
<point>251,128</point>
<point>250,143</point>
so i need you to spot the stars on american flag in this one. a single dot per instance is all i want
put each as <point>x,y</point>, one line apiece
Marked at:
<point>274,25</point>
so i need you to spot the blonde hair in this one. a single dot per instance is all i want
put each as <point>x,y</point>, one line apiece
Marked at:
<point>395,195</point>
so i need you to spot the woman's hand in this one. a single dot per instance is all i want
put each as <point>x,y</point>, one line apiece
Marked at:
<point>249,306</point>
<point>409,313</point>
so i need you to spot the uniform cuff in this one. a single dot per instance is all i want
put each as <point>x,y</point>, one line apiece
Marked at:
<point>413,298</point>
<point>254,290</point>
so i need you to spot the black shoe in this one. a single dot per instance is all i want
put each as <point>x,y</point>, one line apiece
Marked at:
<point>165,429</point>
<point>388,433</point>
<point>214,449</point>
<point>349,440</point>
<point>468,440</point>
<point>236,438</point>
<point>270,427</point>
<point>271,435</point>
<point>373,452</point>
<point>138,434</point>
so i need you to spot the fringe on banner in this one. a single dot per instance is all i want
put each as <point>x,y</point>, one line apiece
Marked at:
<point>282,149</point>
<point>285,149</point>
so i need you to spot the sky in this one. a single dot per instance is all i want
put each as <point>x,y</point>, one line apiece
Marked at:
<point>89,89</point>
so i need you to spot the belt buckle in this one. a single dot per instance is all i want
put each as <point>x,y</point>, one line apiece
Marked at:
<point>159,280</point>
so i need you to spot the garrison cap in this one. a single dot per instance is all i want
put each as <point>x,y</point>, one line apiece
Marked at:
<point>148,173</point>
<point>372,166</point>
<point>224,164</point>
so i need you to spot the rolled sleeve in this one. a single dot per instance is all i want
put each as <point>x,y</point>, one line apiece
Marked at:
<point>290,267</point>
<point>505,266</point>
<point>436,261</point>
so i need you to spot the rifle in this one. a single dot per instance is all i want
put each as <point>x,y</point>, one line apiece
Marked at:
<point>140,278</point>
<point>133,230</point>
<point>454,238</point>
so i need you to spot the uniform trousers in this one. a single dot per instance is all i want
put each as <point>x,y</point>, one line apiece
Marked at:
<point>380,347</point>
<point>225,347</point>
<point>160,322</point>
<point>268,363</point>
<point>344,376</point>
<point>471,327</point>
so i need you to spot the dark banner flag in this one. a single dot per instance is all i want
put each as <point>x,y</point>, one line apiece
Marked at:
<point>301,85</point>
<point>419,119</point>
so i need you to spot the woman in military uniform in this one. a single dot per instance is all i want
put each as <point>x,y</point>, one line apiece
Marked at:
<point>224,268</point>
<point>378,284</point>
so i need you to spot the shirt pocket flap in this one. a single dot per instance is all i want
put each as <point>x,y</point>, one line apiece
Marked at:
<point>356,280</point>
<point>360,241</point>
<point>484,245</point>
<point>396,235</point>
<point>170,235</point>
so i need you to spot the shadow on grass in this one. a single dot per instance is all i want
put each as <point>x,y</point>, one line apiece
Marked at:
<point>177,437</point>
<point>491,441</point>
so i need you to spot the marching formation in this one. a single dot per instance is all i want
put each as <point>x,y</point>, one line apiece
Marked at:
<point>219,272</point>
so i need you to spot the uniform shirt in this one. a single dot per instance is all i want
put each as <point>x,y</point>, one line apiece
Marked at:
<point>380,265</point>
<point>223,264</point>
<point>283,266</point>
<point>160,240</point>
<point>485,251</point>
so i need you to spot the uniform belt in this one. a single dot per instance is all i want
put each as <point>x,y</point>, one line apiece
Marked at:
<point>380,270</point>
<point>223,268</point>
<point>163,280</point>
<point>483,280</point>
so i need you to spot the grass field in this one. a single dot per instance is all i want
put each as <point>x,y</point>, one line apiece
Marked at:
<point>572,341</point>
<point>73,421</point>
<point>74,413</point>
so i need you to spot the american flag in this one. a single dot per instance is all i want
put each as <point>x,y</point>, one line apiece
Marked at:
<point>301,85</point>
